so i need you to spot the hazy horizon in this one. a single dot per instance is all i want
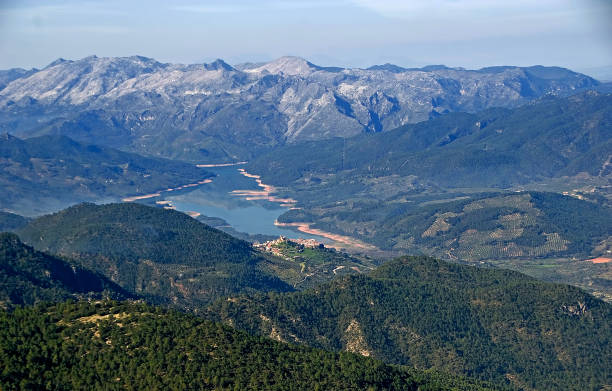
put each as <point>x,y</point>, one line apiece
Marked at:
<point>349,33</point>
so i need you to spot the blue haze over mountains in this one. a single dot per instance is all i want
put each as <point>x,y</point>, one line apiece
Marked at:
<point>428,160</point>
<point>220,113</point>
<point>450,225</point>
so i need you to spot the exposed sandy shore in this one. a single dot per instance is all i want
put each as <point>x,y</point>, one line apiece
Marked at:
<point>220,165</point>
<point>189,185</point>
<point>339,241</point>
<point>145,196</point>
<point>342,241</point>
<point>140,197</point>
<point>168,205</point>
<point>265,194</point>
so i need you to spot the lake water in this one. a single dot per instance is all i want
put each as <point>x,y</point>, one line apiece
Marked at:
<point>250,216</point>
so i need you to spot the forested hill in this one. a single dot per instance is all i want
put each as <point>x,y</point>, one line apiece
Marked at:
<point>128,346</point>
<point>11,221</point>
<point>164,255</point>
<point>43,173</point>
<point>134,231</point>
<point>28,276</point>
<point>488,323</point>
<point>498,147</point>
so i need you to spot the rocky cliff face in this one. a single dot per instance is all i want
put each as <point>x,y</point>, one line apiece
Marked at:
<point>219,112</point>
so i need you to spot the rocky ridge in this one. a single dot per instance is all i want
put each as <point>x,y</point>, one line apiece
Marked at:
<point>219,112</point>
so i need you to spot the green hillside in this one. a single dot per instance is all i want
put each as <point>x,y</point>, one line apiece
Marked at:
<point>491,324</point>
<point>43,174</point>
<point>474,227</point>
<point>446,187</point>
<point>305,267</point>
<point>28,277</point>
<point>495,148</point>
<point>546,235</point>
<point>129,346</point>
<point>162,255</point>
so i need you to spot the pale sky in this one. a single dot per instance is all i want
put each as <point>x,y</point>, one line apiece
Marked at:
<point>356,33</point>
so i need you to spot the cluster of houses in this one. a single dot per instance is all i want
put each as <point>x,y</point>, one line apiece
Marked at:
<point>272,246</point>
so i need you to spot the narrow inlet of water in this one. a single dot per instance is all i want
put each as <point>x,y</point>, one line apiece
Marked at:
<point>243,213</point>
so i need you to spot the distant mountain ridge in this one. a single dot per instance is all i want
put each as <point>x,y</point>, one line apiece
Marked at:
<point>10,221</point>
<point>46,173</point>
<point>217,112</point>
<point>550,137</point>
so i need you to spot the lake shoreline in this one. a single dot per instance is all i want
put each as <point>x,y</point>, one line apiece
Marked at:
<point>266,194</point>
<point>339,241</point>
<point>170,189</point>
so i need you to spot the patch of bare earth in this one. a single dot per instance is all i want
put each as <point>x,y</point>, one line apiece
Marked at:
<point>355,339</point>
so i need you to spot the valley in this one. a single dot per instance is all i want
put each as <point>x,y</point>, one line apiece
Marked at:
<point>236,198</point>
<point>260,225</point>
<point>346,242</point>
<point>456,188</point>
<point>254,213</point>
<point>359,201</point>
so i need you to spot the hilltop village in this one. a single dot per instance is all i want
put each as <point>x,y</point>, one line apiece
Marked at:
<point>275,246</point>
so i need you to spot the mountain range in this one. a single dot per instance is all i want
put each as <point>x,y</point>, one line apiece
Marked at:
<point>547,138</point>
<point>215,112</point>
<point>502,166</point>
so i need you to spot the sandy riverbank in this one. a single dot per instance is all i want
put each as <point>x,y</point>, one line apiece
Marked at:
<point>140,197</point>
<point>265,194</point>
<point>167,204</point>
<point>339,240</point>
<point>220,165</point>
<point>145,196</point>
